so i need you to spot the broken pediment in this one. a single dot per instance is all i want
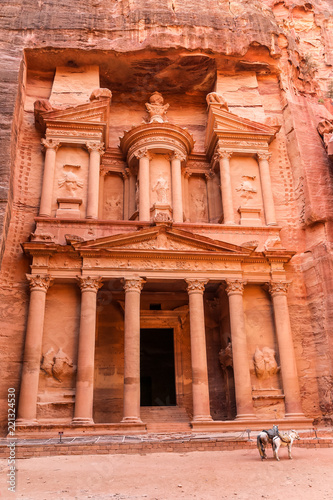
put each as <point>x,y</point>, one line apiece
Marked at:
<point>241,134</point>
<point>160,239</point>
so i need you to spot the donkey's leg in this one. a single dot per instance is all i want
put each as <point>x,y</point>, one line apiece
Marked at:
<point>276,446</point>
<point>289,450</point>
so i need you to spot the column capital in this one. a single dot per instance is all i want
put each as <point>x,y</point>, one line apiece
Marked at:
<point>196,285</point>
<point>210,175</point>
<point>235,287</point>
<point>142,153</point>
<point>133,284</point>
<point>50,144</point>
<point>186,172</point>
<point>265,155</point>
<point>126,173</point>
<point>222,153</point>
<point>278,287</point>
<point>95,146</point>
<point>176,155</point>
<point>39,282</point>
<point>89,284</point>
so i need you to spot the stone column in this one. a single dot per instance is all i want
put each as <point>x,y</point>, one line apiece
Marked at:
<point>176,180</point>
<point>240,355</point>
<point>187,175</point>
<point>51,146</point>
<point>132,194</point>
<point>278,291</point>
<point>200,390</point>
<point>144,184</point>
<point>126,193</point>
<point>95,150</point>
<point>266,188</point>
<point>133,287</point>
<point>226,189</point>
<point>84,393</point>
<point>27,406</point>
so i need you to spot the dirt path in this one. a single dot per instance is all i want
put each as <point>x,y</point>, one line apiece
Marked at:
<point>232,475</point>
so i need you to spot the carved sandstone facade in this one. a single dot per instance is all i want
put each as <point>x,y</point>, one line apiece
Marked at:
<point>168,216</point>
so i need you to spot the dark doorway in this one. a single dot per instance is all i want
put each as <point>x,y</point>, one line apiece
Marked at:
<point>157,367</point>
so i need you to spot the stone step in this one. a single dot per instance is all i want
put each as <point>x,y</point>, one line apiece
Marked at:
<point>161,414</point>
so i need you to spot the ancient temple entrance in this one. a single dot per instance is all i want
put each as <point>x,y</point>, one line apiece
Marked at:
<point>157,367</point>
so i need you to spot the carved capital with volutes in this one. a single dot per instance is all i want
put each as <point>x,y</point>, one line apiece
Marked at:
<point>235,287</point>
<point>278,287</point>
<point>133,284</point>
<point>222,153</point>
<point>95,146</point>
<point>39,282</point>
<point>142,153</point>
<point>89,284</point>
<point>176,155</point>
<point>50,144</point>
<point>264,156</point>
<point>196,285</point>
<point>187,173</point>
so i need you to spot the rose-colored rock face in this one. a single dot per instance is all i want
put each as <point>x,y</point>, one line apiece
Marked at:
<point>272,63</point>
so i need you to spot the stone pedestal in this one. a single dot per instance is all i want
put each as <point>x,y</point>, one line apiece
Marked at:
<point>250,216</point>
<point>161,212</point>
<point>69,208</point>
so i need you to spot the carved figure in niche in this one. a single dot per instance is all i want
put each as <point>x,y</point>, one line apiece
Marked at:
<point>215,98</point>
<point>225,357</point>
<point>199,204</point>
<point>113,207</point>
<point>265,364</point>
<point>71,182</point>
<point>247,189</point>
<point>161,188</point>
<point>156,109</point>
<point>58,366</point>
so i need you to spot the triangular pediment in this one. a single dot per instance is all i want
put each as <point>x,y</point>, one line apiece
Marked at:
<point>160,239</point>
<point>226,121</point>
<point>94,112</point>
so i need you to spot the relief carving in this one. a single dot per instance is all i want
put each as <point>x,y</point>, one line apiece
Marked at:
<point>199,204</point>
<point>59,366</point>
<point>273,242</point>
<point>265,364</point>
<point>113,207</point>
<point>71,182</point>
<point>247,188</point>
<point>225,357</point>
<point>161,188</point>
<point>215,98</point>
<point>156,108</point>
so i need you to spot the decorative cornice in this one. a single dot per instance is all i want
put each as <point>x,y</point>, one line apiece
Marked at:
<point>235,287</point>
<point>39,282</point>
<point>278,287</point>
<point>89,284</point>
<point>196,285</point>
<point>133,284</point>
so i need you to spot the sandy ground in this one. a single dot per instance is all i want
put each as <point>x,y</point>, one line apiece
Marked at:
<point>234,475</point>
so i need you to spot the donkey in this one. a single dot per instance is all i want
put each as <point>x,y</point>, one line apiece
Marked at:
<point>286,439</point>
<point>264,438</point>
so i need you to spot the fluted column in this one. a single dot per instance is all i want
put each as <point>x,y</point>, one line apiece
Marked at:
<point>266,188</point>
<point>84,393</point>
<point>126,194</point>
<point>144,184</point>
<point>278,291</point>
<point>131,413</point>
<point>176,179</point>
<point>226,188</point>
<point>95,152</point>
<point>200,390</point>
<point>51,146</point>
<point>27,406</point>
<point>240,357</point>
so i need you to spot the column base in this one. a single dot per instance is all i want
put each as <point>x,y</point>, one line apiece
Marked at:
<point>246,416</point>
<point>202,418</point>
<point>295,416</point>
<point>131,420</point>
<point>23,421</point>
<point>271,224</point>
<point>82,421</point>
